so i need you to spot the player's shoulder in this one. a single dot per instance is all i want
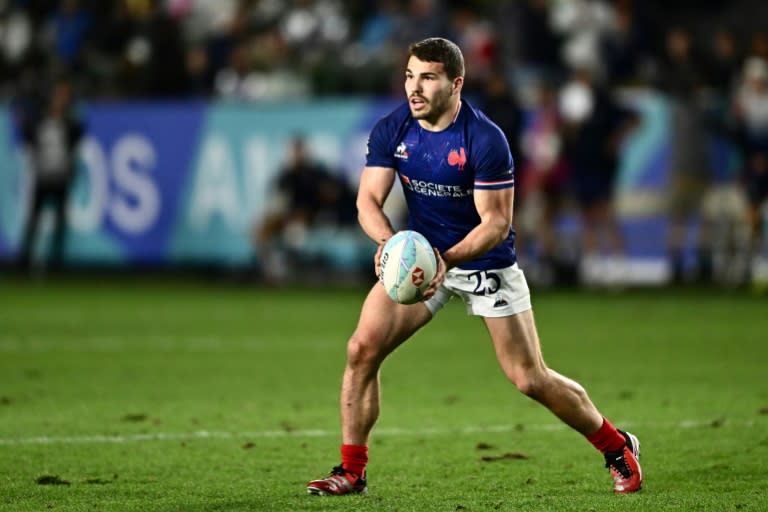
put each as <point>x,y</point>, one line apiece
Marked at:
<point>385,135</point>
<point>394,120</point>
<point>478,120</point>
<point>481,127</point>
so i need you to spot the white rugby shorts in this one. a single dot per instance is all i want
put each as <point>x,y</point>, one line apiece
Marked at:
<point>487,293</point>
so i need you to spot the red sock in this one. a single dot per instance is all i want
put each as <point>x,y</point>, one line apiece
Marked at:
<point>354,457</point>
<point>607,438</point>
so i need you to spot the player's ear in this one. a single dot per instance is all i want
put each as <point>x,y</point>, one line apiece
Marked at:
<point>457,83</point>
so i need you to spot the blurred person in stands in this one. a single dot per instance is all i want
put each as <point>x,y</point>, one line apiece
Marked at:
<point>306,195</point>
<point>199,80</point>
<point>750,111</point>
<point>225,29</point>
<point>499,97</point>
<point>71,25</point>
<point>477,38</point>
<point>758,44</point>
<point>260,69</point>
<point>680,79</point>
<point>722,63</point>
<point>17,32</point>
<point>593,127</point>
<point>51,140</point>
<point>166,73</point>
<point>234,82</point>
<point>537,44</point>
<point>725,226</point>
<point>111,58</point>
<point>422,17</point>
<point>543,187</point>
<point>624,45</point>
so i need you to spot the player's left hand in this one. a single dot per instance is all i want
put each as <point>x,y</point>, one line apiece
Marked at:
<point>436,281</point>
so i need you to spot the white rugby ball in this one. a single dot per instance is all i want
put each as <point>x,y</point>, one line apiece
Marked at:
<point>408,264</point>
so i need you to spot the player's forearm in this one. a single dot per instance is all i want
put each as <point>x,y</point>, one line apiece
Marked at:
<point>373,221</point>
<point>480,240</point>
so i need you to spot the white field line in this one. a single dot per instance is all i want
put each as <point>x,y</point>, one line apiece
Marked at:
<point>396,432</point>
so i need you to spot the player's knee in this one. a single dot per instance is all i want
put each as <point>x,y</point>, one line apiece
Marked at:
<point>529,381</point>
<point>362,352</point>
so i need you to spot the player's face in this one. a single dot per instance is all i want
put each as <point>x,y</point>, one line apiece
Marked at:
<point>429,91</point>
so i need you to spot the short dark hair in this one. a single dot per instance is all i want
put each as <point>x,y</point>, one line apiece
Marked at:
<point>437,49</point>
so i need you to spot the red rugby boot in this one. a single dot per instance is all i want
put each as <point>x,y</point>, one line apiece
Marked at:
<point>338,483</point>
<point>625,466</point>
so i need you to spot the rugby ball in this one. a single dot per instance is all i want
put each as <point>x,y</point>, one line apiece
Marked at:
<point>408,264</point>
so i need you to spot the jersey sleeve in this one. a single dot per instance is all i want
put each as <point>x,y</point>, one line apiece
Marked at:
<point>494,167</point>
<point>379,152</point>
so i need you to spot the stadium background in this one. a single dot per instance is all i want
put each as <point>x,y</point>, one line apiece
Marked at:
<point>149,387</point>
<point>178,164</point>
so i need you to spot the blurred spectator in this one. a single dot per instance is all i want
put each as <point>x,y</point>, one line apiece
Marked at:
<point>51,140</point>
<point>306,196</point>
<point>542,188</point>
<point>138,51</point>
<point>623,45</point>
<point>725,229</point>
<point>750,110</point>
<point>314,30</point>
<point>249,79</point>
<point>537,45</point>
<point>593,128</point>
<point>379,27</point>
<point>583,24</point>
<point>423,18</point>
<point>758,44</point>
<point>722,63</point>
<point>228,29</point>
<point>689,172</point>
<point>757,188</point>
<point>110,63</point>
<point>15,40</point>
<point>367,60</point>
<point>166,62</point>
<point>725,225</point>
<point>499,99</point>
<point>70,28</point>
<point>199,79</point>
<point>232,81</point>
<point>476,38</point>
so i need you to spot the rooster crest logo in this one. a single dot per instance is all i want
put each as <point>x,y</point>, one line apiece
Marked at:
<point>457,158</point>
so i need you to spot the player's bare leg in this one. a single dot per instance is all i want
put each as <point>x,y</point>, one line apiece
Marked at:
<point>518,350</point>
<point>382,327</point>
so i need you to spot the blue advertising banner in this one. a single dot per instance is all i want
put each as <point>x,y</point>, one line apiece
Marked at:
<point>240,152</point>
<point>181,182</point>
<point>136,158</point>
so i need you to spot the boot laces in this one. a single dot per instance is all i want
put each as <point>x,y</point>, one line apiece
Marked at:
<point>618,463</point>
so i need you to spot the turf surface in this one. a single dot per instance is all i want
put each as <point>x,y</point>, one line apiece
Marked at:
<point>142,394</point>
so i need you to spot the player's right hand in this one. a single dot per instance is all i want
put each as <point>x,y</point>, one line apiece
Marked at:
<point>436,281</point>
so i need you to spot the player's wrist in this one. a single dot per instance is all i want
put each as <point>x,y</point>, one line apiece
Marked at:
<point>448,261</point>
<point>382,239</point>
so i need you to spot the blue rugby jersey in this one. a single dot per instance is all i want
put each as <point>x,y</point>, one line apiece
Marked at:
<point>440,170</point>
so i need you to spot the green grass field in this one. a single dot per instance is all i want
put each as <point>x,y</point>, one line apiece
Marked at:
<point>142,394</point>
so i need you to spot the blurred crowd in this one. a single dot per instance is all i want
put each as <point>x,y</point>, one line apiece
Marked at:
<point>552,73</point>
